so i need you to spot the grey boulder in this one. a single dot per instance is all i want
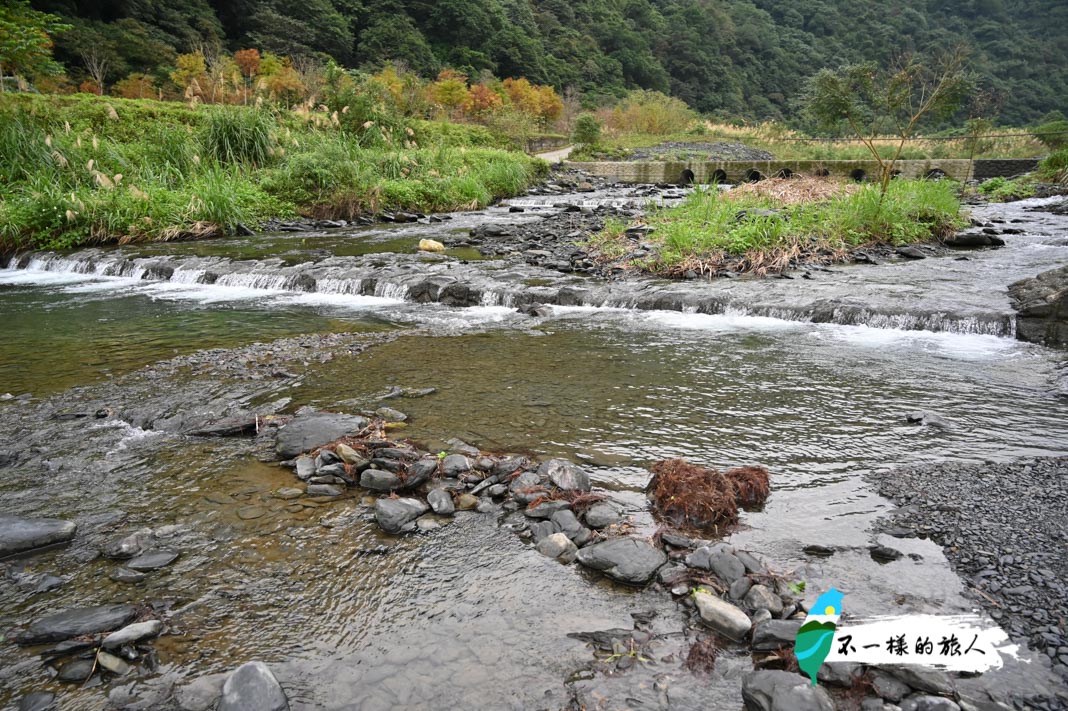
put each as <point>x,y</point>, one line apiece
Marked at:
<point>770,690</point>
<point>23,534</point>
<point>441,502</point>
<point>306,432</point>
<point>565,475</point>
<point>133,633</point>
<point>253,688</point>
<point>626,560</point>
<point>398,515</point>
<point>722,616</point>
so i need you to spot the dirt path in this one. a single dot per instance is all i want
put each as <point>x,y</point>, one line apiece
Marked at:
<point>556,156</point>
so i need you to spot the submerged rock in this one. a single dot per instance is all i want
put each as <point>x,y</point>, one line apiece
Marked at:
<point>306,432</point>
<point>253,688</point>
<point>23,534</point>
<point>75,622</point>
<point>558,546</point>
<point>76,671</point>
<point>37,701</point>
<point>627,560</point>
<point>153,560</point>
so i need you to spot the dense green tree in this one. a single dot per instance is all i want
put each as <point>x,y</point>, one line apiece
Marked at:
<point>26,40</point>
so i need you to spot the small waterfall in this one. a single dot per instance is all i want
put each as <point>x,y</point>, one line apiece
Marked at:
<point>183,275</point>
<point>332,285</point>
<point>386,290</point>
<point>254,280</point>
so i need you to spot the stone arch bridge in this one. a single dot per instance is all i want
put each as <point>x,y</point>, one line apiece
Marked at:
<point>686,172</point>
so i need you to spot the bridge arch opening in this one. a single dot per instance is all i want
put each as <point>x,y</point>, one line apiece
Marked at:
<point>753,176</point>
<point>686,177</point>
<point>785,173</point>
<point>719,176</point>
<point>934,174</point>
<point>857,175</point>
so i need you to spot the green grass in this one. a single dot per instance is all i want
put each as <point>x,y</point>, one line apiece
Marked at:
<point>713,231</point>
<point>1007,189</point>
<point>79,170</point>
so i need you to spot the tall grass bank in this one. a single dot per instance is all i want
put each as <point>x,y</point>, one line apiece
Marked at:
<point>80,170</point>
<point>773,225</point>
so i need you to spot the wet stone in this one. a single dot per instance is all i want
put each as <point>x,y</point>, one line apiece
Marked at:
<point>201,694</point>
<point>253,688</point>
<point>420,472</point>
<point>76,622</point>
<point>454,465</point>
<point>153,560</point>
<point>541,529</point>
<point>288,494</point>
<point>125,575</point>
<point>923,702</point>
<point>839,673</point>
<point>887,687</point>
<point>770,690</point>
<point>565,475</point>
<point>557,546</point>
<point>112,663</point>
<point>305,468</point>
<point>441,502</point>
<point>248,513</point>
<point>133,633</point>
<point>923,679</point>
<point>76,672</point>
<point>128,546</point>
<point>739,588</point>
<point>626,560</point>
<point>23,534</point>
<point>602,514</point>
<point>323,490</point>
<point>306,432</point>
<point>722,616</point>
<point>391,415</point>
<point>37,701</point>
<point>399,515</point>
<point>761,597</point>
<point>380,480</point>
<point>546,509</point>
<point>466,502</point>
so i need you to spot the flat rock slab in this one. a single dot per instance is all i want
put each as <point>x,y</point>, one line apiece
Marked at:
<point>770,690</point>
<point>306,432</point>
<point>253,688</point>
<point>75,622</point>
<point>37,701</point>
<point>627,560</point>
<point>399,515</point>
<point>23,534</point>
<point>153,560</point>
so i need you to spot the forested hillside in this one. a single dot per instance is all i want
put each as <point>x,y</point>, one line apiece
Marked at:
<point>727,57</point>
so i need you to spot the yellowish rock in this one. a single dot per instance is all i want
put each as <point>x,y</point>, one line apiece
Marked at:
<point>430,245</point>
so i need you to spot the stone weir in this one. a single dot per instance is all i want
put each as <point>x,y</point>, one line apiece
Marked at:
<point>842,296</point>
<point>695,171</point>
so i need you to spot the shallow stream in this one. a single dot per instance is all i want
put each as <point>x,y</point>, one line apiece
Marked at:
<point>468,616</point>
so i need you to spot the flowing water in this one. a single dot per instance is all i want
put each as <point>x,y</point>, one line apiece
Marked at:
<point>468,616</point>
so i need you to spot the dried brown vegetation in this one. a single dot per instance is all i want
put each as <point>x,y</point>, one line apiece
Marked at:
<point>702,656</point>
<point>691,496</point>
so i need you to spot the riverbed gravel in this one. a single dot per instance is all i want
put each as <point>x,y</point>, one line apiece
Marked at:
<point>1004,528</point>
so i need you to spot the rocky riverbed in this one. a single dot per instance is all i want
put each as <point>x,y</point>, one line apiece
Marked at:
<point>1004,526</point>
<point>393,565</point>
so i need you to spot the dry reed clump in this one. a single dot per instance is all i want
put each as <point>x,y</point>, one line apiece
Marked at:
<point>701,658</point>
<point>795,190</point>
<point>751,485</point>
<point>690,496</point>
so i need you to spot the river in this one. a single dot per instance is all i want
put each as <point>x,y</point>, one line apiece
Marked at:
<point>810,378</point>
